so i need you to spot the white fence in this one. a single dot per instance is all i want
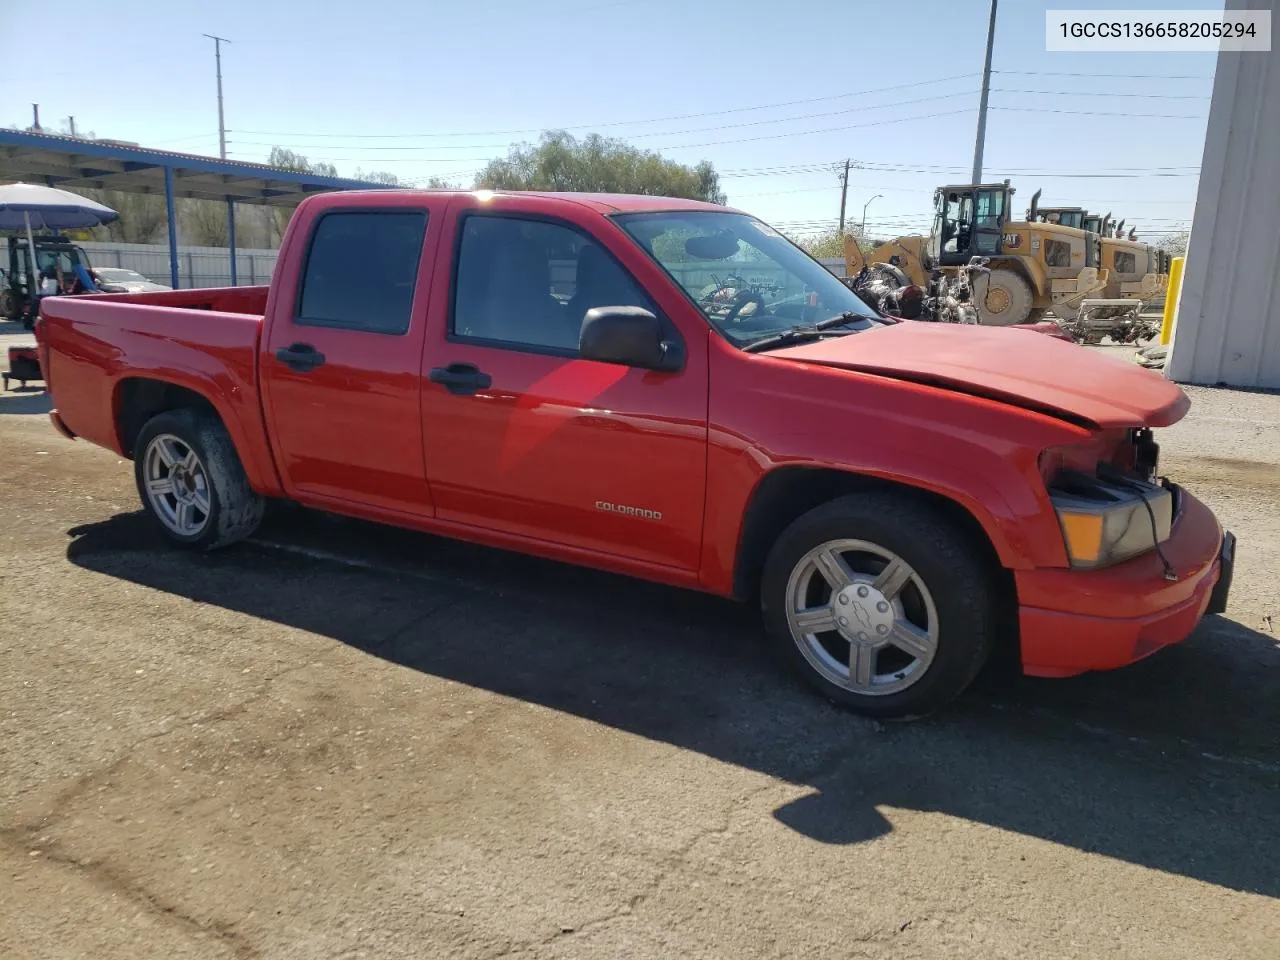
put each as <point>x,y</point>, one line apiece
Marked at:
<point>197,266</point>
<point>211,266</point>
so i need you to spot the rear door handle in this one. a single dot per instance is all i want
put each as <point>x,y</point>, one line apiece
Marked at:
<point>460,378</point>
<point>302,357</point>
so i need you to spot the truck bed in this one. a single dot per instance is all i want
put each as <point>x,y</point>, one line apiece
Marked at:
<point>248,300</point>
<point>93,349</point>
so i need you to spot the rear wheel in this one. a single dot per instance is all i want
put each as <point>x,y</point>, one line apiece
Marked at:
<point>191,480</point>
<point>1003,298</point>
<point>881,603</point>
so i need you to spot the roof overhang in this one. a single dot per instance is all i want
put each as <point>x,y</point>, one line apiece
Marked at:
<point>71,162</point>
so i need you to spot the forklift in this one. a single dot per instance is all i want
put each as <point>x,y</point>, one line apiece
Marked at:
<point>57,259</point>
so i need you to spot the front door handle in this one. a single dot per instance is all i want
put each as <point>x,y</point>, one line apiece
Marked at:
<point>460,378</point>
<point>302,357</point>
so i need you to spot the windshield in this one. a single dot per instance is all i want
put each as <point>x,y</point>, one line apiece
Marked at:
<point>118,273</point>
<point>747,279</point>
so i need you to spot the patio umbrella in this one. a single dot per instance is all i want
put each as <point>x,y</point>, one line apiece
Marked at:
<point>31,205</point>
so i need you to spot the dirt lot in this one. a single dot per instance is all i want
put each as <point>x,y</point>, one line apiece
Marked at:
<point>343,741</point>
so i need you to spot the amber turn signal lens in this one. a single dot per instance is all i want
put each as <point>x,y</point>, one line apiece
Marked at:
<point>1083,533</point>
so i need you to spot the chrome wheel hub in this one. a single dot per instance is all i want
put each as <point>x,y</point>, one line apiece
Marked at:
<point>862,617</point>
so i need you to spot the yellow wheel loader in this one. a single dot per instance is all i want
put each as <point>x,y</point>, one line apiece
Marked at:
<point>1134,267</point>
<point>1033,267</point>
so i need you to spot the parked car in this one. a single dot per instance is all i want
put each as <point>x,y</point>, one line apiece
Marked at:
<point>895,495</point>
<point>124,280</point>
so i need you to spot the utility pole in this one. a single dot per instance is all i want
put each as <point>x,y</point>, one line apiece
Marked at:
<point>35,118</point>
<point>222,128</point>
<point>844,194</point>
<point>982,103</point>
<point>222,152</point>
<point>71,122</point>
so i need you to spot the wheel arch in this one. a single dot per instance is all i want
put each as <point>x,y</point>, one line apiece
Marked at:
<point>788,492</point>
<point>136,399</point>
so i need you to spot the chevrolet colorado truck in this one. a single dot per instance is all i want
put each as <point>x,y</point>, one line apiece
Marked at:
<point>671,390</point>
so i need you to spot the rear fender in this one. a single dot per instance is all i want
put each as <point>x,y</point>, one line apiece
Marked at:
<point>234,402</point>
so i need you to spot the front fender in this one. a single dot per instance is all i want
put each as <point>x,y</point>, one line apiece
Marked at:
<point>980,454</point>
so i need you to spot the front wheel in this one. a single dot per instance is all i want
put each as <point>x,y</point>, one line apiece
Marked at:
<point>191,480</point>
<point>882,603</point>
<point>1003,298</point>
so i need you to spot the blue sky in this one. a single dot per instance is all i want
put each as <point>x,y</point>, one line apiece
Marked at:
<point>774,94</point>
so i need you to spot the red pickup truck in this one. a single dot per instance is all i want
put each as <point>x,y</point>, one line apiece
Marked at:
<point>671,390</point>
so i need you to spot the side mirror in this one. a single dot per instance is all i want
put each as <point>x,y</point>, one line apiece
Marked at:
<point>631,336</point>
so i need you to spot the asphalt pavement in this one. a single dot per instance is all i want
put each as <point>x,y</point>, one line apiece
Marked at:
<point>342,740</point>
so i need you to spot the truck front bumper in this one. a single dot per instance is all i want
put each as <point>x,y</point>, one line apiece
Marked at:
<point>1073,621</point>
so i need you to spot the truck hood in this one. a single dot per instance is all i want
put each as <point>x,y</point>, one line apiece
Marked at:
<point>1034,372</point>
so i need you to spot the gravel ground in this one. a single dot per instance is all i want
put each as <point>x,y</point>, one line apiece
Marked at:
<point>347,741</point>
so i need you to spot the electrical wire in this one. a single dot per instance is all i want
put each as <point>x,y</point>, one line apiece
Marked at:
<point>661,133</point>
<point>613,123</point>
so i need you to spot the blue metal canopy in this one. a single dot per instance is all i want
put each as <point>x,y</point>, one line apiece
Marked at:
<point>71,162</point>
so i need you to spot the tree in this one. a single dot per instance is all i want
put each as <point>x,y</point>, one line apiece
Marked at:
<point>823,245</point>
<point>598,164</point>
<point>377,176</point>
<point>1174,244</point>
<point>288,160</point>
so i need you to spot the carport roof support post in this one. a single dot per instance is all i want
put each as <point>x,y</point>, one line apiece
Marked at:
<point>173,227</point>
<point>231,238</point>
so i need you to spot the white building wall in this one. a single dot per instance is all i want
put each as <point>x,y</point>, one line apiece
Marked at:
<point>1228,321</point>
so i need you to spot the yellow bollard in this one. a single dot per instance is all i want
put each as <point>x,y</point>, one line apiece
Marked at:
<point>1171,299</point>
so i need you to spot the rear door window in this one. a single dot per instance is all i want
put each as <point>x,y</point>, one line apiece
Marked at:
<point>361,270</point>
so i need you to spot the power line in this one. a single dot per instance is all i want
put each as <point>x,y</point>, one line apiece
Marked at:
<point>825,167</point>
<point>1077,93</point>
<point>661,133</point>
<point>681,146</point>
<point>1101,113</point>
<point>610,123</point>
<point>1108,76</point>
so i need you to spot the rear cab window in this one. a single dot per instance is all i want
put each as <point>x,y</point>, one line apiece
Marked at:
<point>361,270</point>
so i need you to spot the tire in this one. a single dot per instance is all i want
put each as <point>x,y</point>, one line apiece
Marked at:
<point>948,591</point>
<point>1003,298</point>
<point>206,481</point>
<point>1036,315</point>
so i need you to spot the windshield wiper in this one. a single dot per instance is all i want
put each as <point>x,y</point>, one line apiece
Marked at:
<point>812,331</point>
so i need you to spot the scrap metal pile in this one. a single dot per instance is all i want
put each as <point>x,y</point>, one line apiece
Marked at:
<point>948,298</point>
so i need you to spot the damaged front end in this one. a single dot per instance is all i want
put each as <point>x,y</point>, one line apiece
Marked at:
<point>1109,501</point>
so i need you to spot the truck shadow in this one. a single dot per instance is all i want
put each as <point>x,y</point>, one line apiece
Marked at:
<point>1173,763</point>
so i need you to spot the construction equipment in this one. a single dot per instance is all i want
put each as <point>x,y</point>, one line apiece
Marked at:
<point>1136,270</point>
<point>900,279</point>
<point>1034,266</point>
<point>57,259</point>
<point>907,254</point>
<point>1064,216</point>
